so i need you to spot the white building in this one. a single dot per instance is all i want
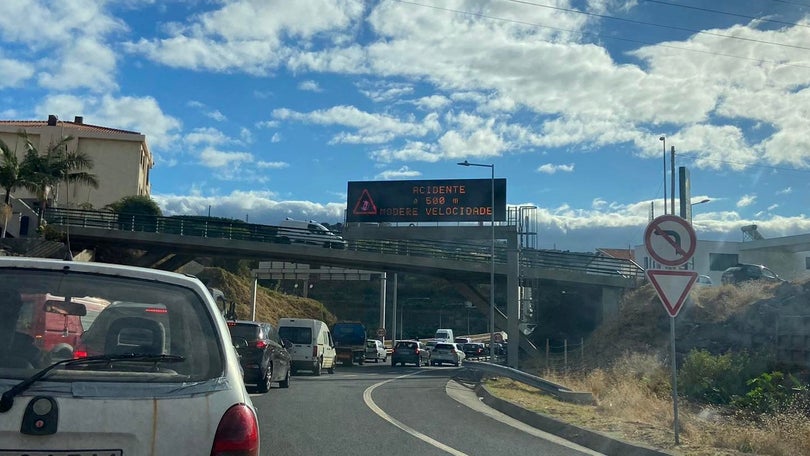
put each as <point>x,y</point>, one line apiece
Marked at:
<point>121,162</point>
<point>788,256</point>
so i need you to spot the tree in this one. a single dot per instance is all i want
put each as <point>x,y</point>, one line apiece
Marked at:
<point>41,173</point>
<point>135,204</point>
<point>10,179</point>
<point>9,170</point>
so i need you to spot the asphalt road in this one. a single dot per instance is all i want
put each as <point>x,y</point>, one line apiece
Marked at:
<point>376,409</point>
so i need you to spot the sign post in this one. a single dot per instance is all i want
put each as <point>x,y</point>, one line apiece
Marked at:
<point>671,241</point>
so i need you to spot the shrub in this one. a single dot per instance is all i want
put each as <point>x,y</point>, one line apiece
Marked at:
<point>773,392</point>
<point>715,379</point>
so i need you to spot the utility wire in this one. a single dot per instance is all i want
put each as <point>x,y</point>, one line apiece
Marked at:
<point>581,33</point>
<point>678,5</point>
<point>792,3</point>
<point>672,27</point>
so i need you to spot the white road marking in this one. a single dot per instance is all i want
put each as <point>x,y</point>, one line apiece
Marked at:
<point>469,399</point>
<point>376,409</point>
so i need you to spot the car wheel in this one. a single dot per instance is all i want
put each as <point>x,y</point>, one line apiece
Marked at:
<point>286,382</point>
<point>418,362</point>
<point>264,385</point>
<point>317,370</point>
<point>331,368</point>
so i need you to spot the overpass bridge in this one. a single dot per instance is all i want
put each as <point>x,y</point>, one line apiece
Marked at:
<point>170,242</point>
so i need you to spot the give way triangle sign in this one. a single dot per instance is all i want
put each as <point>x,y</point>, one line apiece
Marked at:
<point>673,287</point>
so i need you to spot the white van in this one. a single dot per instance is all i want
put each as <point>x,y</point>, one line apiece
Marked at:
<point>444,335</point>
<point>311,346</point>
<point>309,233</point>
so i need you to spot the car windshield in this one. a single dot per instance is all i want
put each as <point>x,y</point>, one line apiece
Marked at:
<point>48,316</point>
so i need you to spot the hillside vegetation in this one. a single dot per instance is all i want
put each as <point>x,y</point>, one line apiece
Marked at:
<point>742,357</point>
<point>270,305</point>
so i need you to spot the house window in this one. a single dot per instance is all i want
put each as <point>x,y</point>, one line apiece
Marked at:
<point>722,261</point>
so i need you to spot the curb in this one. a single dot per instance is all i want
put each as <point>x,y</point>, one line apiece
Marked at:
<point>590,439</point>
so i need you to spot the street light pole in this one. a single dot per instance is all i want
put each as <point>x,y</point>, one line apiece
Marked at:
<point>492,258</point>
<point>664,139</point>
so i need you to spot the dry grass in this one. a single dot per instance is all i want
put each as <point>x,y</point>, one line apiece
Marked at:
<point>270,305</point>
<point>633,402</point>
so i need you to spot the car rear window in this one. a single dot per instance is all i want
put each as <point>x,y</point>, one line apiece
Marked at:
<point>247,332</point>
<point>299,335</point>
<point>444,347</point>
<point>144,317</point>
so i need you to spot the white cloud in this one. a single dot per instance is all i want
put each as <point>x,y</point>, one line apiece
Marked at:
<point>216,115</point>
<point>309,86</point>
<point>272,165</point>
<point>247,35</point>
<point>432,102</point>
<point>207,136</point>
<point>371,128</point>
<point>401,173</point>
<point>260,206</point>
<point>550,168</point>
<point>746,200</point>
<point>214,158</point>
<point>15,72</point>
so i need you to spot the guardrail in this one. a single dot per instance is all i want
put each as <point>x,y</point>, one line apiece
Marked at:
<point>558,391</point>
<point>201,226</point>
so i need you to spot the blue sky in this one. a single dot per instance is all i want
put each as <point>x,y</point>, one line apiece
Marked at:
<point>264,109</point>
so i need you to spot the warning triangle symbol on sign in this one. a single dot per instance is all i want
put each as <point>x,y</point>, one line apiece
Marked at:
<point>673,287</point>
<point>365,205</point>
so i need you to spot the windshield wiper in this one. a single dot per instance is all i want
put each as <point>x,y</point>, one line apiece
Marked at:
<point>7,400</point>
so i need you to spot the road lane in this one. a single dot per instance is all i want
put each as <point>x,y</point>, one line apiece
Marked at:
<point>328,415</point>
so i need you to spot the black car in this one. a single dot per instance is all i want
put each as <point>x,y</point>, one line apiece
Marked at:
<point>411,352</point>
<point>474,350</point>
<point>263,356</point>
<point>742,272</point>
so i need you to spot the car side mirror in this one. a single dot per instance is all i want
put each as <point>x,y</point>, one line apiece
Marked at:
<point>286,343</point>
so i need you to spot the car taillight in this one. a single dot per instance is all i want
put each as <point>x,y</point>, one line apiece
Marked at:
<point>237,433</point>
<point>260,344</point>
<point>79,354</point>
<point>314,351</point>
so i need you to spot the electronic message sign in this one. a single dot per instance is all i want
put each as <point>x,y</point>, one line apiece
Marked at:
<point>454,200</point>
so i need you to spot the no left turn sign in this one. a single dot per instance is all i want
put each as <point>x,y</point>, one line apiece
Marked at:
<point>670,240</point>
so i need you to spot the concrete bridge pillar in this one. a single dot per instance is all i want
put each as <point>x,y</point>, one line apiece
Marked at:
<point>512,299</point>
<point>611,297</point>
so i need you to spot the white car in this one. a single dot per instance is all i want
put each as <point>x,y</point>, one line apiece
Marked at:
<point>446,353</point>
<point>162,378</point>
<point>375,350</point>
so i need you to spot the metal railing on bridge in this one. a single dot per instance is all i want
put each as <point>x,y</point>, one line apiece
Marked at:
<point>201,226</point>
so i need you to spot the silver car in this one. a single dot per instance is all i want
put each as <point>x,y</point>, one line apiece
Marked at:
<point>446,353</point>
<point>161,377</point>
<point>375,351</point>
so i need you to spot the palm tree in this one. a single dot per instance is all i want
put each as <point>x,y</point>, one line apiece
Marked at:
<point>42,173</point>
<point>9,170</point>
<point>9,179</point>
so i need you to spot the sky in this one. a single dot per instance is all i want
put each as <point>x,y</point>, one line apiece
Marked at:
<point>265,109</point>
